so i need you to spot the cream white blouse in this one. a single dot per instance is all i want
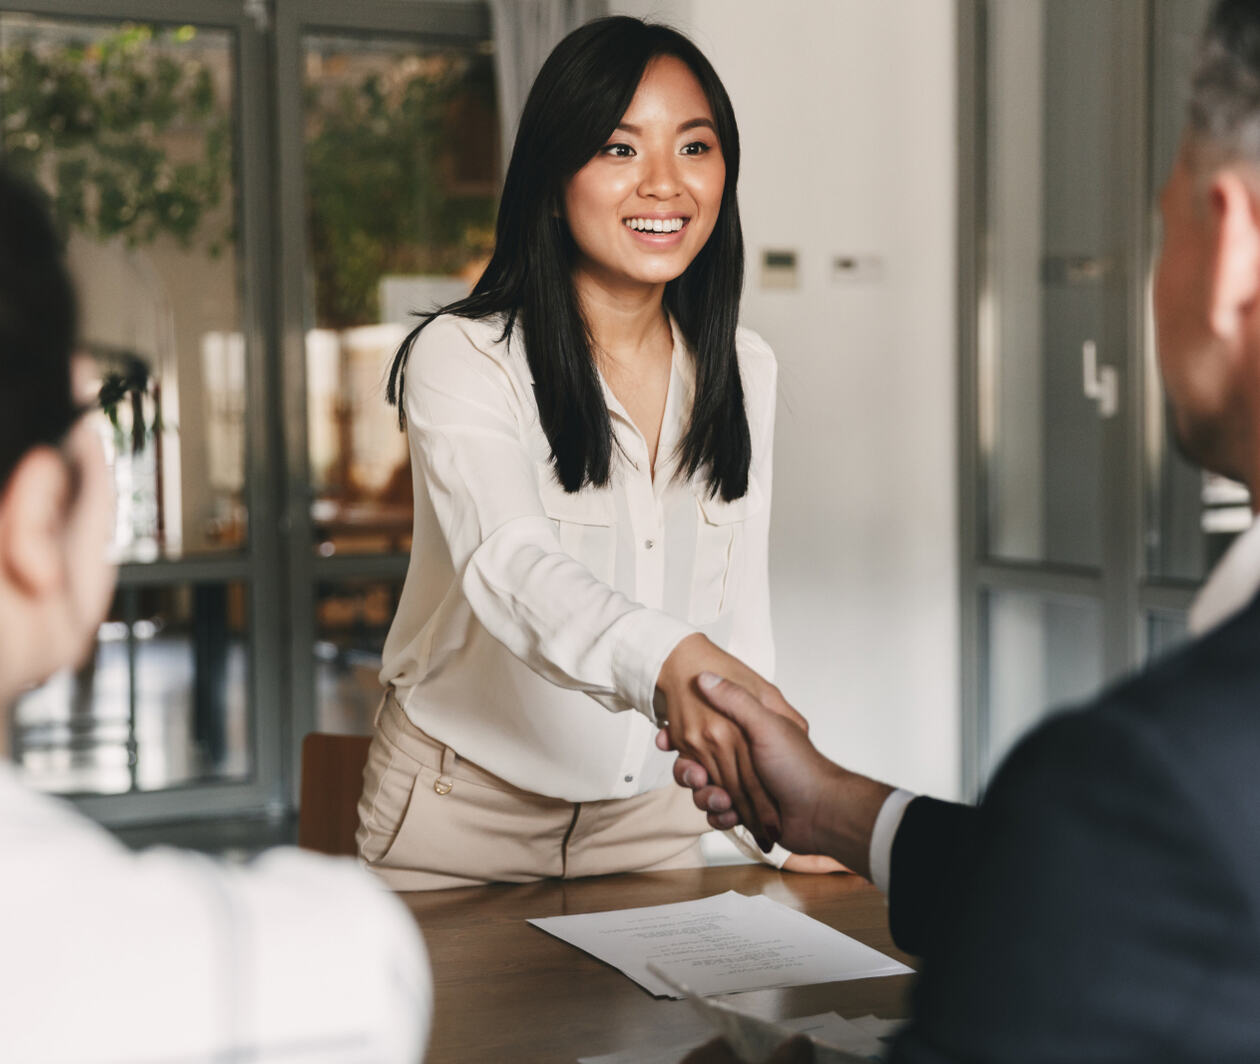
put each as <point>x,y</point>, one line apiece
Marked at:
<point>531,619</point>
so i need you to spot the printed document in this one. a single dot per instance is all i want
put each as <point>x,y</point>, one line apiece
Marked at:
<point>724,944</point>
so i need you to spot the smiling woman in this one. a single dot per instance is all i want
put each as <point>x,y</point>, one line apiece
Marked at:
<point>590,437</point>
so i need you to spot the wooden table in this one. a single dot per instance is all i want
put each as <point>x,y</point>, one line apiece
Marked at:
<point>506,991</point>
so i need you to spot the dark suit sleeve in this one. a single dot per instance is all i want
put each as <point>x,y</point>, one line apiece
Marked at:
<point>931,851</point>
<point>1088,918</point>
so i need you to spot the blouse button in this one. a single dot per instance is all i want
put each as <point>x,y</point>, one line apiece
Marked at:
<point>629,779</point>
<point>649,543</point>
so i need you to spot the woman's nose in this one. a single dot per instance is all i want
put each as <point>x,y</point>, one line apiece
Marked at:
<point>660,177</point>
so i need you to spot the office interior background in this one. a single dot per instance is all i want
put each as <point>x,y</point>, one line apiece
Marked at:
<point>950,215</point>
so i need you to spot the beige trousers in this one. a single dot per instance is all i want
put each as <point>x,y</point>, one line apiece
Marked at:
<point>429,819</point>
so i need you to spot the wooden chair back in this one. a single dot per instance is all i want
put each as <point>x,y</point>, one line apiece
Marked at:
<point>332,779</point>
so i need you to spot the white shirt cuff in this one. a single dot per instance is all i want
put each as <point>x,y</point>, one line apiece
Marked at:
<point>743,840</point>
<point>645,638</point>
<point>882,835</point>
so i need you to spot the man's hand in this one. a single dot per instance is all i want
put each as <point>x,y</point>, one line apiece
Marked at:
<point>798,1050</point>
<point>823,808</point>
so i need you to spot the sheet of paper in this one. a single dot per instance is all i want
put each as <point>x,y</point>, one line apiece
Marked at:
<point>724,944</point>
<point>826,1029</point>
<point>882,1029</point>
<point>836,1041</point>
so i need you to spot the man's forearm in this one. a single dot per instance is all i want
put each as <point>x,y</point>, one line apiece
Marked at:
<point>845,817</point>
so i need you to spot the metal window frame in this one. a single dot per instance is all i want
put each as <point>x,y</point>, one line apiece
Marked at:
<point>1156,594</point>
<point>971,120</point>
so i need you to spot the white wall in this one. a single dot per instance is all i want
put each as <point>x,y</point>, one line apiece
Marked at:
<point>846,114</point>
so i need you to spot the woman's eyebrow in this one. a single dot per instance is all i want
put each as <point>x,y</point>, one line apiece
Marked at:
<point>691,123</point>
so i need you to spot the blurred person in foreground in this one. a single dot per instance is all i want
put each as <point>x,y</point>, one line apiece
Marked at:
<point>1102,902</point>
<point>108,955</point>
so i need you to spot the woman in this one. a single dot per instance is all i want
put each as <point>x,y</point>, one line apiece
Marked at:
<point>590,445</point>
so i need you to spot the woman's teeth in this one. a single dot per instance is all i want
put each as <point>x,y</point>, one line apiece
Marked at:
<point>656,225</point>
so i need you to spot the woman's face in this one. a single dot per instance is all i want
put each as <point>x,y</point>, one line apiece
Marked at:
<point>645,205</point>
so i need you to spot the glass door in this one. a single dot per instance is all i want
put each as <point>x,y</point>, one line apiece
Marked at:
<point>1084,534</point>
<point>131,119</point>
<point>1049,397</point>
<point>255,197</point>
<point>389,153</point>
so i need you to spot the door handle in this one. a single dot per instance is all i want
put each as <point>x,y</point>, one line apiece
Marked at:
<point>1100,384</point>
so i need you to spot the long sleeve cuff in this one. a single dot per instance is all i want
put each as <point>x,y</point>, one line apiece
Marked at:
<point>882,835</point>
<point>644,639</point>
<point>743,840</point>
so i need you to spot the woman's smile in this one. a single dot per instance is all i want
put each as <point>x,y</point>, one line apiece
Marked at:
<point>657,230</point>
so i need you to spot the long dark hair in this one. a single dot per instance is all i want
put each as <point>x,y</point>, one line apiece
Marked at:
<point>579,96</point>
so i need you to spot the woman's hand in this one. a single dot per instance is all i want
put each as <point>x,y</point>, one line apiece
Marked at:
<point>697,731</point>
<point>813,864</point>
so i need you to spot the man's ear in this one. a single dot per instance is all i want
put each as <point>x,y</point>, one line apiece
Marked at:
<point>1235,265</point>
<point>32,521</point>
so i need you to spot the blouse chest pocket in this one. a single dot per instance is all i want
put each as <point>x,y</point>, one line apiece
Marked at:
<point>721,535</point>
<point>584,524</point>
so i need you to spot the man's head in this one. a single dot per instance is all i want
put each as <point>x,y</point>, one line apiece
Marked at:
<point>56,497</point>
<point>1207,287</point>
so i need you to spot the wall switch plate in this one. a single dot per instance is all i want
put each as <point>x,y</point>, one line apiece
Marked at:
<point>778,269</point>
<point>857,269</point>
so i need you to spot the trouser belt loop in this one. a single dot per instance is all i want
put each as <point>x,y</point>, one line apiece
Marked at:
<point>380,706</point>
<point>445,781</point>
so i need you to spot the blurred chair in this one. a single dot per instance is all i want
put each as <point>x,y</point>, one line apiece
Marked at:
<point>332,779</point>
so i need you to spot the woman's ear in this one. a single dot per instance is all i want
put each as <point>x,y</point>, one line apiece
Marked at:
<point>1234,280</point>
<point>32,524</point>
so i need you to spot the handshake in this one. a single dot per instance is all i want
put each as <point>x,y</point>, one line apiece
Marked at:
<point>746,755</point>
<point>798,797</point>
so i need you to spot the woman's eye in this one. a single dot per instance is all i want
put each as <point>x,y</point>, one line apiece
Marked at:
<point>696,147</point>
<point>617,151</point>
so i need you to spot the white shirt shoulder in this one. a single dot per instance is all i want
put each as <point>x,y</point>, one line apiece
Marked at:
<point>451,333</point>
<point>451,346</point>
<point>759,372</point>
<point>753,351</point>
<point>292,957</point>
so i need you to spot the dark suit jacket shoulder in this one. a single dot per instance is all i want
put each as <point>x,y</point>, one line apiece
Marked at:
<point>1103,901</point>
